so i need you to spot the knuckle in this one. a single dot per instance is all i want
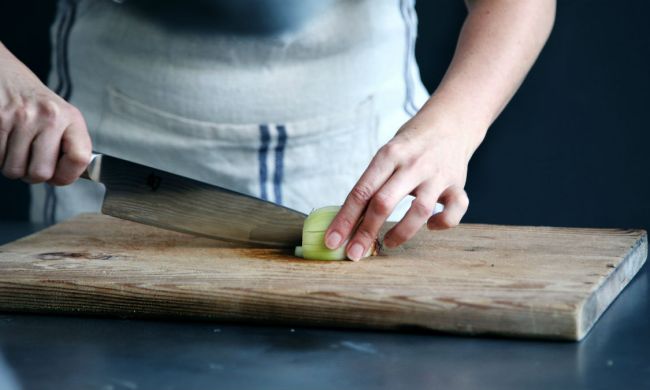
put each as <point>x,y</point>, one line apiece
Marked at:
<point>421,209</point>
<point>447,221</point>
<point>464,200</point>
<point>360,194</point>
<point>460,198</point>
<point>39,174</point>
<point>391,150</point>
<point>382,204</point>
<point>78,159</point>
<point>24,115</point>
<point>13,172</point>
<point>344,223</point>
<point>49,111</point>
<point>74,113</point>
<point>20,114</point>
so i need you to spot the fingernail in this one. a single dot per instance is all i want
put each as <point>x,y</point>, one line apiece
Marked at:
<point>355,252</point>
<point>333,240</point>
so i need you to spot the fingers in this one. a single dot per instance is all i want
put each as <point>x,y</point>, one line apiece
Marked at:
<point>456,202</point>
<point>420,211</point>
<point>380,207</point>
<point>43,140</point>
<point>373,178</point>
<point>18,144</point>
<point>49,122</point>
<point>397,169</point>
<point>44,154</point>
<point>76,151</point>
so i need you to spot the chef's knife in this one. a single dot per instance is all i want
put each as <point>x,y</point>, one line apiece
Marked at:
<point>157,198</point>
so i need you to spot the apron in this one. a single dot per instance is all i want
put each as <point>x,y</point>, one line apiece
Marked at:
<point>291,116</point>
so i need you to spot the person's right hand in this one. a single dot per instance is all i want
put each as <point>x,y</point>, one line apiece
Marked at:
<point>43,138</point>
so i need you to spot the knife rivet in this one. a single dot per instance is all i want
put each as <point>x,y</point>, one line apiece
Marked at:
<point>153,181</point>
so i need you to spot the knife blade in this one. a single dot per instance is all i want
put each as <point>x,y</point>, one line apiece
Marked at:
<point>153,197</point>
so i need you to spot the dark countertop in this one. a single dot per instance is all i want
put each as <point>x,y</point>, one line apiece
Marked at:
<point>51,352</point>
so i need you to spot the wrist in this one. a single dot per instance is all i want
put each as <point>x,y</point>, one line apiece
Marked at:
<point>443,119</point>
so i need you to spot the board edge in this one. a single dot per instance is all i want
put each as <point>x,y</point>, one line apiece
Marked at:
<point>606,293</point>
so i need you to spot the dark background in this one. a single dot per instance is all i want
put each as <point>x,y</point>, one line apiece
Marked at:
<point>570,149</point>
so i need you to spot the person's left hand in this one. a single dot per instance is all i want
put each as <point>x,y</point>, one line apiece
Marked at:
<point>425,161</point>
<point>428,156</point>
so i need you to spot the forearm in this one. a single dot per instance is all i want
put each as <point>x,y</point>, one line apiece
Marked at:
<point>12,67</point>
<point>497,46</point>
<point>7,60</point>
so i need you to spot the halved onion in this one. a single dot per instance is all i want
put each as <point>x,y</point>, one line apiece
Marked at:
<point>313,237</point>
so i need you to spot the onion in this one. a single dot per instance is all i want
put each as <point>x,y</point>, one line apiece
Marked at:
<point>313,237</point>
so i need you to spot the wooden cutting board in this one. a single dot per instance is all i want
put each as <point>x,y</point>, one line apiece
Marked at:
<point>478,279</point>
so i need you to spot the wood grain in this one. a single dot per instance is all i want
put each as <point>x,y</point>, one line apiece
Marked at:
<point>478,279</point>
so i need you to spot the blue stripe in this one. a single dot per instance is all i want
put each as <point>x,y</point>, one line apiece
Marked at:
<point>46,206</point>
<point>265,138</point>
<point>63,89</point>
<point>279,163</point>
<point>54,202</point>
<point>67,93</point>
<point>409,106</point>
<point>65,17</point>
<point>413,25</point>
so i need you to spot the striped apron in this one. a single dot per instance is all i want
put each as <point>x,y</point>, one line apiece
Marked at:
<point>293,116</point>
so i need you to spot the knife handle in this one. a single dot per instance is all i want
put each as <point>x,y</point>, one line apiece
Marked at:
<point>93,169</point>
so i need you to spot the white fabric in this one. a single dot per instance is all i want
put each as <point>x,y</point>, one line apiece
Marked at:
<point>294,117</point>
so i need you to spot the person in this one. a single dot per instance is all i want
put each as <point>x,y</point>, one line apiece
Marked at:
<point>304,103</point>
